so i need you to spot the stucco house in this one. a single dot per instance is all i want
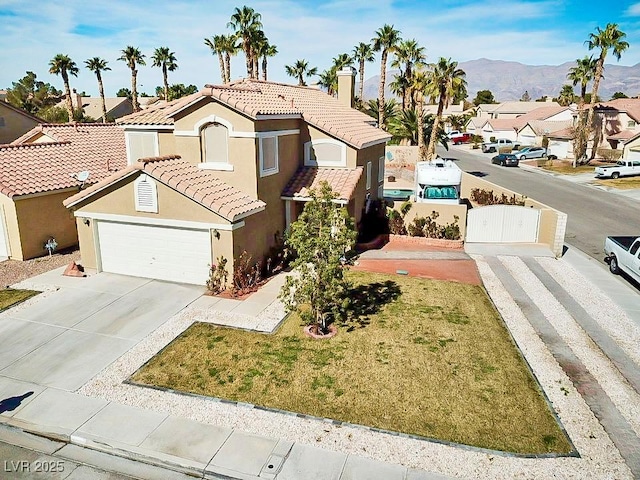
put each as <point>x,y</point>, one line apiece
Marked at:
<point>533,126</point>
<point>616,122</point>
<point>509,109</point>
<point>224,171</point>
<point>14,122</point>
<point>116,107</point>
<point>39,170</point>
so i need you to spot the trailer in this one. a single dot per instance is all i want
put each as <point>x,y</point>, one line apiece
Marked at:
<point>438,181</point>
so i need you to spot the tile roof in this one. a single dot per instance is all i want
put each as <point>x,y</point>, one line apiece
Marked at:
<point>542,113</point>
<point>29,168</point>
<point>256,98</point>
<point>629,105</point>
<point>522,107</point>
<point>501,124</point>
<point>623,135</point>
<point>343,181</point>
<point>202,186</point>
<point>564,134</point>
<point>544,127</point>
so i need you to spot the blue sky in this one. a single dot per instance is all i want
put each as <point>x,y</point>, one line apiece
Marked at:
<point>545,32</point>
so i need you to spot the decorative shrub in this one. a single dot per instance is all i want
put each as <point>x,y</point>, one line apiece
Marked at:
<point>396,219</point>
<point>487,197</point>
<point>609,155</point>
<point>476,140</point>
<point>492,139</point>
<point>217,281</point>
<point>428,227</point>
<point>246,276</point>
<point>277,259</point>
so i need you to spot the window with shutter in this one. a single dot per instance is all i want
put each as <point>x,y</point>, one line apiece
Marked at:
<point>215,144</point>
<point>268,156</point>
<point>141,145</point>
<point>368,175</point>
<point>146,194</point>
<point>381,169</point>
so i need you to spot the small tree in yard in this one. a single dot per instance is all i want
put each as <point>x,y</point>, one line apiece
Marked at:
<point>320,237</point>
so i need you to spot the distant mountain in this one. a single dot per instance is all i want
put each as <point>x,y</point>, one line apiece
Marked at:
<point>509,80</point>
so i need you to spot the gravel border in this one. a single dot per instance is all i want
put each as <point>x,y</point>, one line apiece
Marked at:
<point>598,456</point>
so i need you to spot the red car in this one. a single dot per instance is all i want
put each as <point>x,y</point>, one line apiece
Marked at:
<point>461,138</point>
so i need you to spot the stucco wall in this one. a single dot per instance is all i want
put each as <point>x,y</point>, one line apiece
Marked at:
<point>256,237</point>
<point>42,217</point>
<point>446,213</point>
<point>15,124</point>
<point>87,243</point>
<point>8,215</point>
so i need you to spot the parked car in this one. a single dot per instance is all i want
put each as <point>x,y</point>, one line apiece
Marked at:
<point>623,255</point>
<point>622,168</point>
<point>531,152</point>
<point>488,147</point>
<point>506,160</point>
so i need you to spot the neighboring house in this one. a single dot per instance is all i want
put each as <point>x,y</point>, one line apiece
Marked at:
<point>532,126</point>
<point>39,170</point>
<point>617,121</point>
<point>561,143</point>
<point>116,107</point>
<point>453,109</point>
<point>509,109</point>
<point>631,148</point>
<point>498,128</point>
<point>14,122</point>
<point>225,171</point>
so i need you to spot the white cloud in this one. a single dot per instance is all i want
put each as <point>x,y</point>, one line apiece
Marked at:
<point>633,10</point>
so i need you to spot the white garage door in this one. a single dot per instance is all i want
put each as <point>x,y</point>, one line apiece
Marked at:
<point>559,149</point>
<point>633,155</point>
<point>173,254</point>
<point>4,251</point>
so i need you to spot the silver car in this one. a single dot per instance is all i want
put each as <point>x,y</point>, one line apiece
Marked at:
<point>530,152</point>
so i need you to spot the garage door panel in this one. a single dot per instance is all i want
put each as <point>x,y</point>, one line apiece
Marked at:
<point>173,254</point>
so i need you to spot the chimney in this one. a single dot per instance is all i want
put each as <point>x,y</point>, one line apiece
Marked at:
<point>346,86</point>
<point>76,99</point>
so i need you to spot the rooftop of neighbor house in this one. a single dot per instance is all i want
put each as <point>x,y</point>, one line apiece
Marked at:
<point>258,99</point>
<point>202,186</point>
<point>541,113</point>
<point>631,106</point>
<point>50,156</point>
<point>546,127</point>
<point>7,105</point>
<point>514,107</point>
<point>343,182</point>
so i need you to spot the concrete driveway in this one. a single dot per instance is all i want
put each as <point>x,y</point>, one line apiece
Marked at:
<point>67,337</point>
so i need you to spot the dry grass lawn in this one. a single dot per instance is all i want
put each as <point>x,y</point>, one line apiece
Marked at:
<point>565,168</point>
<point>10,297</point>
<point>626,183</point>
<point>424,357</point>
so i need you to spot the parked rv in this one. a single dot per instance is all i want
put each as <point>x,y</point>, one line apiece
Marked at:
<point>438,181</point>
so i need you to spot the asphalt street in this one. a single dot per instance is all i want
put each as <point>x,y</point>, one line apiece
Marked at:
<point>593,214</point>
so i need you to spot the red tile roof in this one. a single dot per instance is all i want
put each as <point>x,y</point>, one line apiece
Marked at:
<point>564,134</point>
<point>202,186</point>
<point>623,135</point>
<point>542,113</point>
<point>29,168</point>
<point>343,182</point>
<point>257,98</point>
<point>629,105</point>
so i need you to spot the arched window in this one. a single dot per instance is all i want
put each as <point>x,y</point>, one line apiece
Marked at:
<point>325,153</point>
<point>215,144</point>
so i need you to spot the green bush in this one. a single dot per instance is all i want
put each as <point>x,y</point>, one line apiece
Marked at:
<point>217,281</point>
<point>609,155</point>
<point>428,227</point>
<point>487,197</point>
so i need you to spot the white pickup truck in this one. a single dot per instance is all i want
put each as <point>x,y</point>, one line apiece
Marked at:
<point>497,145</point>
<point>623,255</point>
<point>622,168</point>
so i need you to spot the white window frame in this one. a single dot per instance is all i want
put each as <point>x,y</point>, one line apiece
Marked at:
<point>127,135</point>
<point>381,190</point>
<point>271,171</point>
<point>381,169</point>
<point>342,162</point>
<point>153,208</point>
<point>218,166</point>
<point>369,166</point>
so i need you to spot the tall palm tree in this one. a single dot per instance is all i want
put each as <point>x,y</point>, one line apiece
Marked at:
<point>582,74</point>
<point>245,21</point>
<point>299,70</point>
<point>390,109</point>
<point>419,84</point>
<point>362,53</point>
<point>399,86</point>
<point>609,38</point>
<point>329,80</point>
<point>132,56</point>
<point>341,61</point>
<point>216,44</point>
<point>162,57</point>
<point>385,41</point>
<point>566,96</point>
<point>409,55</point>
<point>62,65</point>
<point>445,81</point>
<point>230,47</point>
<point>269,51</point>
<point>97,65</point>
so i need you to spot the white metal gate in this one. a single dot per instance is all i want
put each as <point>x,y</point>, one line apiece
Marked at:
<point>503,224</point>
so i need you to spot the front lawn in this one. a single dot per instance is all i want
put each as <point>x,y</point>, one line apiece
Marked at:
<point>419,356</point>
<point>10,297</point>
<point>565,168</point>
<point>626,183</point>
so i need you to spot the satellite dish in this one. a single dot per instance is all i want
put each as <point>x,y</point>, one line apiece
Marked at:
<point>82,176</point>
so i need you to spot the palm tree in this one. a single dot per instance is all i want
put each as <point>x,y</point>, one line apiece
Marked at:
<point>166,60</point>
<point>341,61</point>
<point>216,44</point>
<point>362,53</point>
<point>269,51</point>
<point>97,65</point>
<point>409,55</point>
<point>399,87</point>
<point>445,80</point>
<point>133,57</point>
<point>419,84</point>
<point>582,74</point>
<point>245,21</point>
<point>566,96</point>
<point>385,41</point>
<point>230,47</point>
<point>299,70</point>
<point>62,65</point>
<point>329,80</point>
<point>390,108</point>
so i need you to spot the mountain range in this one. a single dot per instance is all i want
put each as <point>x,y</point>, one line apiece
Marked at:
<point>509,80</point>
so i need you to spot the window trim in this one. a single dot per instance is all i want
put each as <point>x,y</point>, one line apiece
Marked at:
<point>271,171</point>
<point>324,141</point>
<point>226,166</point>
<point>369,172</point>
<point>153,208</point>
<point>381,169</point>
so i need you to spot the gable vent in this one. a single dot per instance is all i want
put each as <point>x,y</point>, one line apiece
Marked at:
<point>146,195</point>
